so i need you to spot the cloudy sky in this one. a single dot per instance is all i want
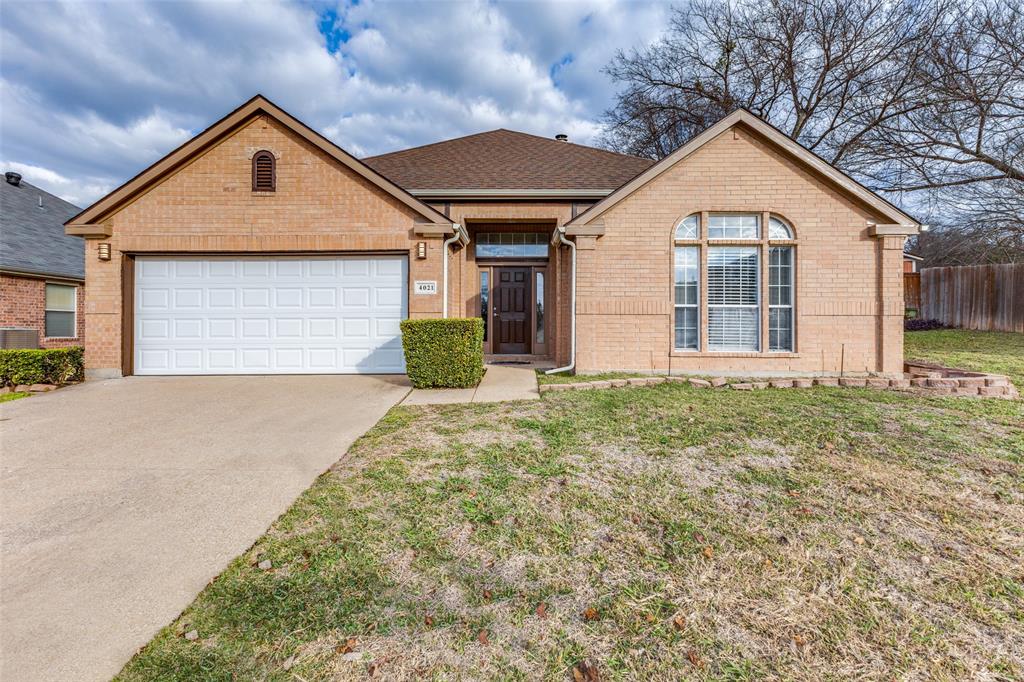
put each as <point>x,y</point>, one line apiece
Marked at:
<point>91,93</point>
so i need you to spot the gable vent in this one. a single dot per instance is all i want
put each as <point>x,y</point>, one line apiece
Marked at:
<point>264,175</point>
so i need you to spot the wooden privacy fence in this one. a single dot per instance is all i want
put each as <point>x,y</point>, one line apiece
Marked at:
<point>912,291</point>
<point>986,297</point>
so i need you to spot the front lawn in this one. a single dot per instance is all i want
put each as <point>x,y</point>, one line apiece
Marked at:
<point>997,352</point>
<point>642,533</point>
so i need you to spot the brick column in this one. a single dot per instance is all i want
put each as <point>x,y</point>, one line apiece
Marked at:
<point>890,313</point>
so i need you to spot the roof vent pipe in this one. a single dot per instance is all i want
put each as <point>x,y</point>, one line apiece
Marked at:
<point>13,178</point>
<point>562,137</point>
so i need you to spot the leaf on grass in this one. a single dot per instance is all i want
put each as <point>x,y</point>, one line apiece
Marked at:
<point>585,671</point>
<point>679,623</point>
<point>708,552</point>
<point>347,647</point>
<point>699,537</point>
<point>487,595</point>
<point>483,638</point>
<point>858,540</point>
<point>428,620</point>
<point>591,614</point>
<point>800,640</point>
<point>692,656</point>
<point>541,610</point>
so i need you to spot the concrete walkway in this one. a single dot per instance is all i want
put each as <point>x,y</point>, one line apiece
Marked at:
<point>120,500</point>
<point>500,383</point>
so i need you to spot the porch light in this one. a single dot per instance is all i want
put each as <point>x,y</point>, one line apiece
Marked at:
<point>104,251</point>
<point>421,250</point>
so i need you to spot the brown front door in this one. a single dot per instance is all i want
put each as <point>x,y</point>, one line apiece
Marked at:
<point>512,310</point>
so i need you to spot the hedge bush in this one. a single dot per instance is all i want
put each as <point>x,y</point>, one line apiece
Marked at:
<point>919,325</point>
<point>444,353</point>
<point>32,366</point>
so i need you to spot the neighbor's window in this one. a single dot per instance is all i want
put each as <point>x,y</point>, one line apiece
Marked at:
<point>60,310</point>
<point>511,245</point>
<point>264,172</point>
<point>732,289</point>
<point>485,292</point>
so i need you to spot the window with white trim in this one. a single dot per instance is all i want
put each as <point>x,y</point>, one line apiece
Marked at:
<point>780,298</point>
<point>727,296</point>
<point>60,310</point>
<point>687,298</point>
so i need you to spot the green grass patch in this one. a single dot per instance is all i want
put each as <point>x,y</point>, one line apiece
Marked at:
<point>996,352</point>
<point>13,395</point>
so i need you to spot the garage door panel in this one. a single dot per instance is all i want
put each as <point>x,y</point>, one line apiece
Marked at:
<point>270,315</point>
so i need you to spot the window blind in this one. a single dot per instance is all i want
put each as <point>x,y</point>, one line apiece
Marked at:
<point>733,298</point>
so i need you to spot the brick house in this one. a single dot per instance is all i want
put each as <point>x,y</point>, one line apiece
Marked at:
<point>261,247</point>
<point>42,270</point>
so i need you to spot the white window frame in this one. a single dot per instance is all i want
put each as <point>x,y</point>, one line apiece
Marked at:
<point>73,311</point>
<point>769,236</point>
<point>791,284</point>
<point>695,305</point>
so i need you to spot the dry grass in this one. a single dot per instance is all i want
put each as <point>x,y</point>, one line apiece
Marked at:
<point>821,534</point>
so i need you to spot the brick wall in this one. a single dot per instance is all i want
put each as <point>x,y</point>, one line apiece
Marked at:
<point>208,206</point>
<point>847,311</point>
<point>23,304</point>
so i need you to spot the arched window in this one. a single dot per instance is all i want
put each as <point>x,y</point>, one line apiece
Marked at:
<point>688,227</point>
<point>264,172</point>
<point>779,229</point>
<point>720,299</point>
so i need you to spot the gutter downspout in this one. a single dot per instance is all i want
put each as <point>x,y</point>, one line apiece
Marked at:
<point>444,267</point>
<point>572,306</point>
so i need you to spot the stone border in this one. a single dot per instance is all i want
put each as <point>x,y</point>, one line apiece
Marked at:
<point>918,378</point>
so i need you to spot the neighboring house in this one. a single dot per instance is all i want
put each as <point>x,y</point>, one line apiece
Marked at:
<point>911,261</point>
<point>42,270</point>
<point>261,247</point>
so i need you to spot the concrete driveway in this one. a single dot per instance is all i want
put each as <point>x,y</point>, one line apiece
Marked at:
<point>121,499</point>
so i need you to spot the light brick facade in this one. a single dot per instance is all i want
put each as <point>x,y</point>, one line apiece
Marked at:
<point>849,301</point>
<point>849,306</point>
<point>23,304</point>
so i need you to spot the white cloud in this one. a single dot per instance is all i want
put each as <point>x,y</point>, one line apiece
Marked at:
<point>94,92</point>
<point>81,191</point>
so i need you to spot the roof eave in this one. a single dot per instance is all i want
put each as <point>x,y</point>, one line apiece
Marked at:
<point>40,274</point>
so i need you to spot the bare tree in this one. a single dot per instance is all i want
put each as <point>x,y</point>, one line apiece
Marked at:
<point>826,72</point>
<point>923,99</point>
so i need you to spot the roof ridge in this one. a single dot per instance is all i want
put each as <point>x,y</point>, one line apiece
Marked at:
<point>577,144</point>
<point>505,130</point>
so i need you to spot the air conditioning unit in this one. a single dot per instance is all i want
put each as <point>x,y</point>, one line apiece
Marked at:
<point>19,337</point>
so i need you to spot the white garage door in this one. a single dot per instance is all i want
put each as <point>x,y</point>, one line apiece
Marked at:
<point>270,315</point>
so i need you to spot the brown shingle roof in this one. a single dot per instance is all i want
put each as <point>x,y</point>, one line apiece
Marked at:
<point>507,160</point>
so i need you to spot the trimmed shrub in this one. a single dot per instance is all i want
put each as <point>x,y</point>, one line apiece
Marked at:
<point>34,366</point>
<point>444,353</point>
